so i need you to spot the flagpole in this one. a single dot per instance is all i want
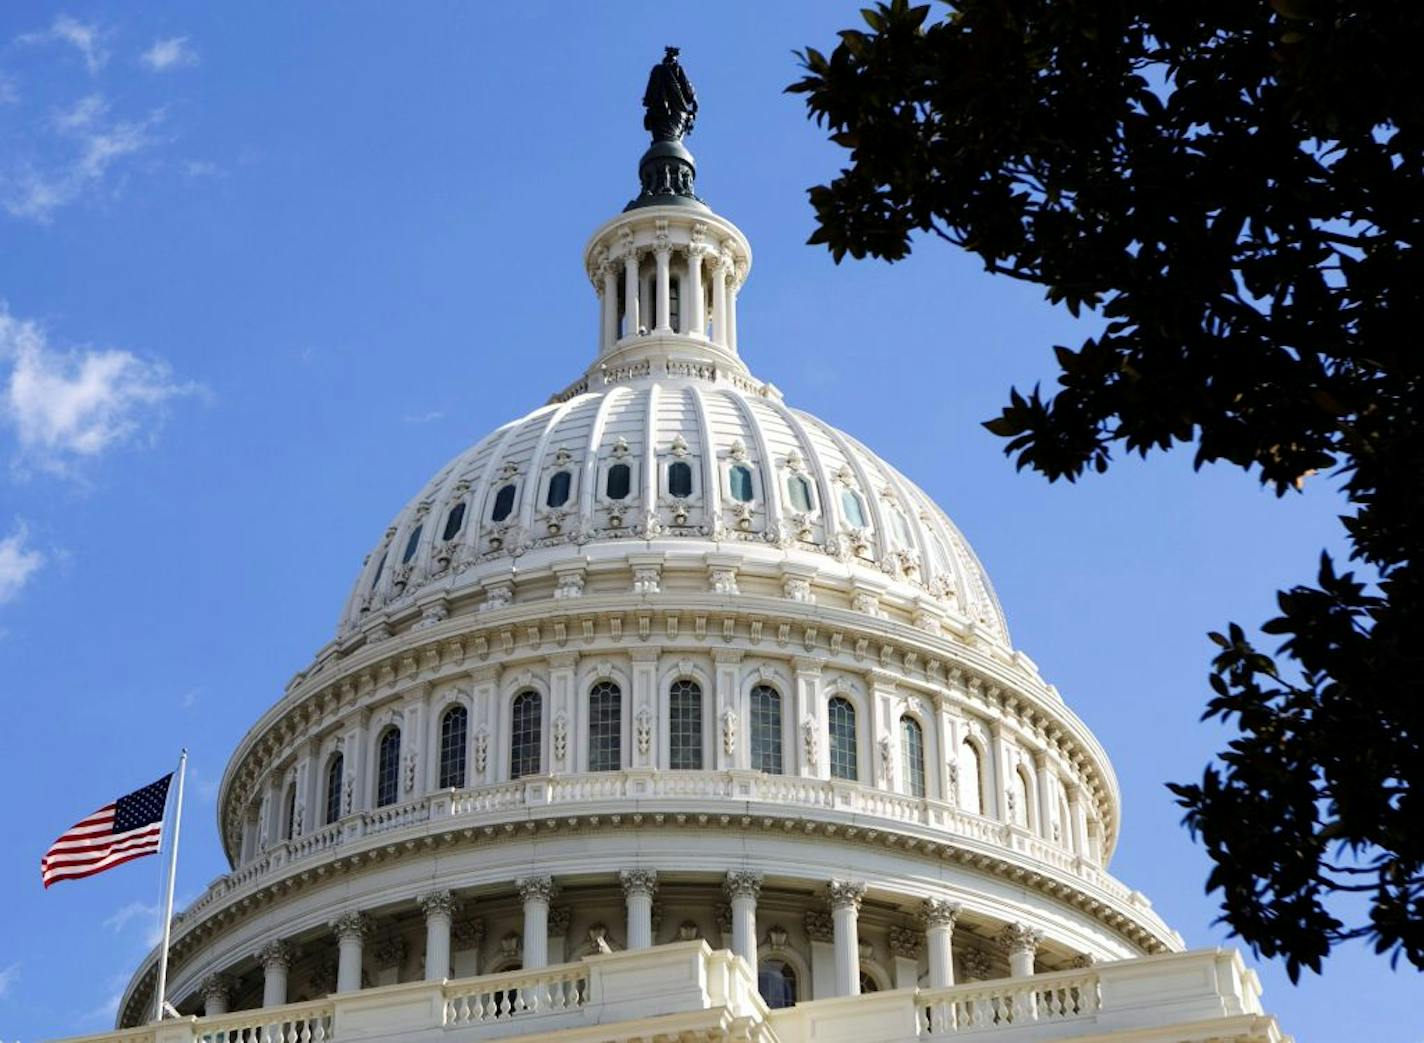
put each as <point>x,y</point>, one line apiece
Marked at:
<point>168,901</point>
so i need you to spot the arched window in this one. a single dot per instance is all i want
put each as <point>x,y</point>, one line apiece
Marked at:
<point>335,770</point>
<point>1065,822</point>
<point>868,983</point>
<point>525,739</point>
<point>853,507</point>
<point>739,479</point>
<point>912,754</point>
<point>290,821</point>
<point>388,768</point>
<point>798,491</point>
<point>605,727</point>
<point>411,544</point>
<point>453,727</point>
<point>503,503</point>
<point>620,482</point>
<point>558,489</point>
<point>679,478</point>
<point>841,725</point>
<point>901,527</point>
<point>766,730</point>
<point>776,981</point>
<point>1020,810</point>
<point>685,725</point>
<point>380,567</point>
<point>971,779</point>
<point>454,521</point>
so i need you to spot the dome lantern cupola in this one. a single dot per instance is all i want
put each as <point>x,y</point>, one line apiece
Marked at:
<point>667,270</point>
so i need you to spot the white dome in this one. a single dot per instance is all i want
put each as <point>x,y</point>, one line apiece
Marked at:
<point>594,474</point>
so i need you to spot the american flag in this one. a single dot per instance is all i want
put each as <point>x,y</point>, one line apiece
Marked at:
<point>129,828</point>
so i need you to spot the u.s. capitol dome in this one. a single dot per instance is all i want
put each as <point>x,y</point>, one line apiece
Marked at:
<point>669,670</point>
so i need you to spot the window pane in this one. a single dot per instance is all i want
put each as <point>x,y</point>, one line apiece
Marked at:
<point>776,980</point>
<point>388,769</point>
<point>867,983</point>
<point>376,576</point>
<point>740,479</point>
<point>454,521</point>
<point>620,478</point>
<point>335,769</point>
<point>685,725</point>
<point>452,748</point>
<point>503,503</point>
<point>558,489</point>
<point>971,785</point>
<point>291,824</point>
<point>411,544</point>
<point>798,489</point>
<point>912,752</point>
<point>766,729</point>
<point>679,479</point>
<point>605,727</point>
<point>902,529</point>
<point>842,733</point>
<point>853,508</point>
<point>524,738</point>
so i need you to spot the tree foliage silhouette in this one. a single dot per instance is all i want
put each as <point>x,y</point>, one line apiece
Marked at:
<point>1237,191</point>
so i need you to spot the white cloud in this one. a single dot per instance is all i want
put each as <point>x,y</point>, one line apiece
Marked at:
<point>95,144</point>
<point>8,977</point>
<point>18,564</point>
<point>122,915</point>
<point>9,90</point>
<point>170,53</point>
<point>67,406</point>
<point>424,418</point>
<point>86,38</point>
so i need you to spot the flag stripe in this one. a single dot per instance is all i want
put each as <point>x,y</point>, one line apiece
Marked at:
<point>119,832</point>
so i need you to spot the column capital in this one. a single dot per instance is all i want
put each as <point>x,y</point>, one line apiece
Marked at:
<point>846,894</point>
<point>742,883</point>
<point>275,954</point>
<point>216,986</point>
<point>938,912</point>
<point>438,903</point>
<point>638,882</point>
<point>1020,939</point>
<point>352,925</point>
<point>535,888</point>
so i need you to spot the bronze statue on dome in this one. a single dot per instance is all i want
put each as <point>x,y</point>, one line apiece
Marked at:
<point>670,101</point>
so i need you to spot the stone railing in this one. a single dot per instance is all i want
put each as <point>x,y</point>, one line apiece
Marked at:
<point>685,990</point>
<point>624,792</point>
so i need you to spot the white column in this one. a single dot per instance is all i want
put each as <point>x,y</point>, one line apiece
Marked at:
<point>939,916</point>
<point>216,990</point>
<point>664,289</point>
<point>536,892</point>
<point>999,772</point>
<point>696,323</point>
<point>639,886</point>
<point>276,960</point>
<point>732,294</point>
<point>439,908</point>
<point>1046,804</point>
<point>609,297</point>
<point>846,896</point>
<point>1022,943</point>
<point>743,888</point>
<point>630,293</point>
<point>351,930</point>
<point>1078,821</point>
<point>719,301</point>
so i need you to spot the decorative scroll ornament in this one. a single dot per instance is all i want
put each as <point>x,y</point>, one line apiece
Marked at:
<point>729,731</point>
<point>1020,939</point>
<point>937,912</point>
<point>846,894</point>
<point>639,882</point>
<point>976,965</point>
<point>644,722</point>
<point>819,926</point>
<point>351,925</point>
<point>905,942</point>
<point>741,883</point>
<point>561,737</point>
<point>535,888</point>
<point>438,903</point>
<point>809,740</point>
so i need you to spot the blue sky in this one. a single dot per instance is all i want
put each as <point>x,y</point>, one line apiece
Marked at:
<point>264,267</point>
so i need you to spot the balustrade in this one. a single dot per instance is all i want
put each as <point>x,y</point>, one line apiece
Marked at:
<point>296,1023</point>
<point>499,997</point>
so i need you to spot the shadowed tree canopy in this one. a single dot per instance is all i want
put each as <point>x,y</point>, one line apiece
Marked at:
<point>1236,190</point>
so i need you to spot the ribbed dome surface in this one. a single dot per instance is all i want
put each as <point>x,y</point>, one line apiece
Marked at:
<point>677,452</point>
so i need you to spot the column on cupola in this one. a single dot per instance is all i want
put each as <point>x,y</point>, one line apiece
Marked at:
<point>721,264</point>
<point>630,291</point>
<point>350,930</point>
<point>662,254</point>
<point>216,990</point>
<point>939,916</point>
<point>1078,820</point>
<point>439,908</point>
<point>730,749</point>
<point>733,291</point>
<point>694,321</point>
<point>276,960</point>
<point>742,888</point>
<point>809,721</point>
<point>639,886</point>
<point>536,892</point>
<point>1047,806</point>
<point>1001,758</point>
<point>1022,943</point>
<point>947,745</point>
<point>846,896</point>
<point>608,300</point>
